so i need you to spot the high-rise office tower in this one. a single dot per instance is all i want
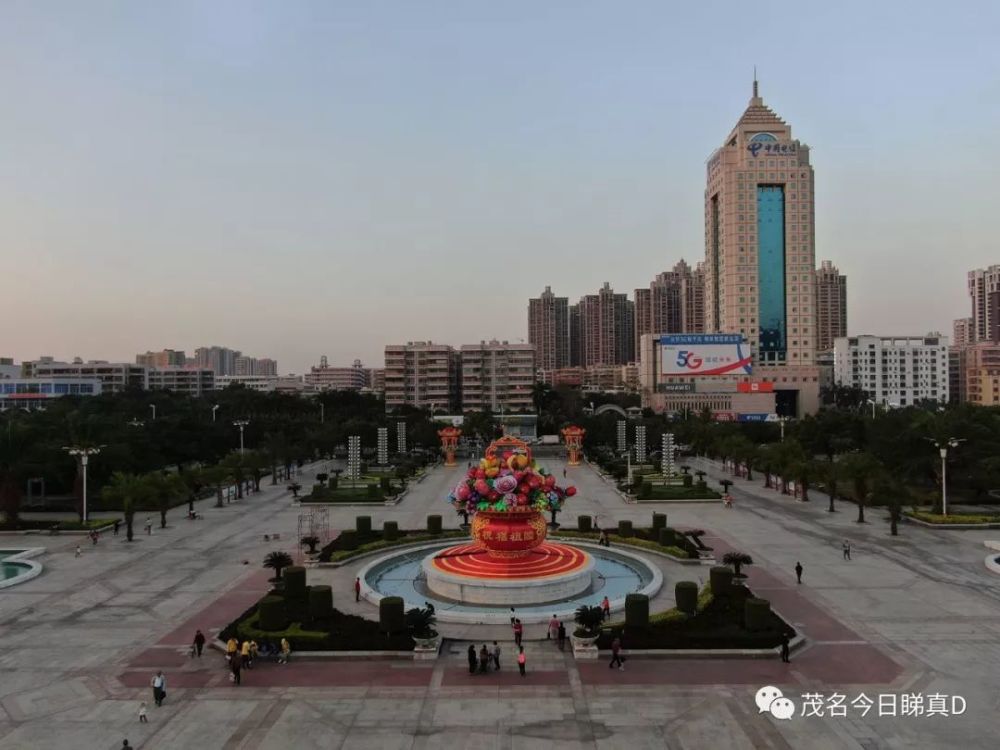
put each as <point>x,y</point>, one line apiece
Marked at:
<point>548,330</point>
<point>759,239</point>
<point>831,306</point>
<point>984,293</point>
<point>607,328</point>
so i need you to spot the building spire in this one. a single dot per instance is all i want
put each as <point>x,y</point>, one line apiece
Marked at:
<point>755,94</point>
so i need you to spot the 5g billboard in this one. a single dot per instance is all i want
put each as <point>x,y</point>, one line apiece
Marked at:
<point>704,354</point>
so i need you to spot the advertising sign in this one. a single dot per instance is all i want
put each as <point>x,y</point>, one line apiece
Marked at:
<point>764,387</point>
<point>753,418</point>
<point>671,387</point>
<point>704,354</point>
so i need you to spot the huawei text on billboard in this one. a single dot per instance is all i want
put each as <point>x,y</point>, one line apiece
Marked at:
<point>704,354</point>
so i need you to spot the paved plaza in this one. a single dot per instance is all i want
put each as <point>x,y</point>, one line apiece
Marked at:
<point>917,614</point>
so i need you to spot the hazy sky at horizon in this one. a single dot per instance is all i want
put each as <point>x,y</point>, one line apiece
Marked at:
<point>306,178</point>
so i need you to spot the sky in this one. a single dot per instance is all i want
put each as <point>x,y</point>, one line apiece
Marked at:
<point>295,179</point>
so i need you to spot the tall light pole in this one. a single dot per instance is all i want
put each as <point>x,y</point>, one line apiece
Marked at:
<point>242,424</point>
<point>943,451</point>
<point>83,454</point>
<point>872,402</point>
<point>322,412</point>
<point>214,409</point>
<point>781,421</point>
<point>153,407</point>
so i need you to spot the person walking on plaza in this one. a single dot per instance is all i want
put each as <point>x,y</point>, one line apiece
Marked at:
<point>847,550</point>
<point>496,656</point>
<point>562,636</point>
<point>231,648</point>
<point>143,719</point>
<point>521,660</point>
<point>117,524</point>
<point>286,651</point>
<point>798,571</point>
<point>253,653</point>
<point>237,667</point>
<point>553,631</point>
<point>149,526</point>
<point>245,655</point>
<point>784,648</point>
<point>473,661</point>
<point>159,688</point>
<point>93,538</point>
<point>606,608</point>
<point>603,540</point>
<point>78,550</point>
<point>199,642</point>
<point>357,589</point>
<point>126,746</point>
<point>484,659</point>
<point>518,632</point>
<point>616,655</point>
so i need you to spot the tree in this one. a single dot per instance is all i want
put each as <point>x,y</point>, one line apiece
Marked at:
<point>726,484</point>
<point>13,464</point>
<point>193,483</point>
<point>830,474</point>
<point>276,561</point>
<point>862,470</point>
<point>804,471</point>
<point>218,477</point>
<point>737,560</point>
<point>310,541</point>
<point>237,470</point>
<point>163,490</point>
<point>294,488</point>
<point>255,462</point>
<point>129,492</point>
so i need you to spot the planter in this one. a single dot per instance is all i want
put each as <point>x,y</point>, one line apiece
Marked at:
<point>508,533</point>
<point>430,643</point>
<point>584,640</point>
<point>584,647</point>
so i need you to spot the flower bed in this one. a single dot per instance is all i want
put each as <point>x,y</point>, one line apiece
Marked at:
<point>342,632</point>
<point>44,525</point>
<point>953,518</point>
<point>641,539</point>
<point>353,543</point>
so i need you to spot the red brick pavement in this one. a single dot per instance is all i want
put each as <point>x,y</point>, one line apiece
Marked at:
<point>507,677</point>
<point>642,671</point>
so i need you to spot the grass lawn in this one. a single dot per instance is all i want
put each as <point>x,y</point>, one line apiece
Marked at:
<point>953,518</point>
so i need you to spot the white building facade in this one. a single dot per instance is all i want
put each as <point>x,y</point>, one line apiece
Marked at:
<point>894,370</point>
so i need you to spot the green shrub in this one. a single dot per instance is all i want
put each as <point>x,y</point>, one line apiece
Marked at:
<point>636,611</point>
<point>688,480</point>
<point>625,529</point>
<point>390,531</point>
<point>334,482</point>
<point>756,613</point>
<point>385,484</point>
<point>295,582</point>
<point>272,613</point>
<point>391,618</point>
<point>686,596</point>
<point>659,521</point>
<point>645,490</point>
<point>363,524</point>
<point>373,491</point>
<point>721,580</point>
<point>702,485</point>
<point>434,524</point>
<point>666,537</point>
<point>320,602</point>
<point>319,492</point>
<point>585,523</point>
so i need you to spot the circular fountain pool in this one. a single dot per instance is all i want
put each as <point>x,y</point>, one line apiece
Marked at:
<point>614,574</point>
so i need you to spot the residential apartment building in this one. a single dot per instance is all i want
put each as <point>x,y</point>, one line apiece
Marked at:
<point>979,373</point>
<point>692,298</point>
<point>326,378</point>
<point>218,359</point>
<point>113,376</point>
<point>548,329</point>
<point>162,358</point>
<point>422,374</point>
<point>497,376</point>
<point>895,370</point>
<point>961,332</point>
<point>606,328</point>
<point>673,303</point>
<point>33,393</point>
<point>193,381</point>
<point>759,239</point>
<point>378,380</point>
<point>260,383</point>
<point>831,306</point>
<point>984,294</point>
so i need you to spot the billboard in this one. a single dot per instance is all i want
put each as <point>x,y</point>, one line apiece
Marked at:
<point>755,387</point>
<point>704,354</point>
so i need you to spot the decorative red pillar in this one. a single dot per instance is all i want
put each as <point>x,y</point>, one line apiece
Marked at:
<point>449,442</point>
<point>573,436</point>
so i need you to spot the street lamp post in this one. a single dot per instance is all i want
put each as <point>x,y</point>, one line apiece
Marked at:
<point>214,409</point>
<point>322,412</point>
<point>241,423</point>
<point>781,421</point>
<point>83,454</point>
<point>872,402</point>
<point>153,407</point>
<point>943,451</point>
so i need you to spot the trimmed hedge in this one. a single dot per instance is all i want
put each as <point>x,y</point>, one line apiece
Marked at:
<point>390,531</point>
<point>391,618</point>
<point>272,613</point>
<point>625,528</point>
<point>294,577</point>
<point>434,524</point>
<point>373,492</point>
<point>320,602</point>
<point>686,596</point>
<point>756,613</point>
<point>659,521</point>
<point>721,580</point>
<point>636,611</point>
<point>585,523</point>
<point>363,524</point>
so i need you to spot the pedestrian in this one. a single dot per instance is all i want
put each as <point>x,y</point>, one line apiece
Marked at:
<point>603,540</point>
<point>117,524</point>
<point>562,636</point>
<point>253,653</point>
<point>616,654</point>
<point>245,655</point>
<point>93,538</point>
<point>236,666</point>
<point>149,526</point>
<point>429,606</point>
<point>199,642</point>
<point>78,550</point>
<point>286,651</point>
<point>125,745</point>
<point>484,659</point>
<point>231,648</point>
<point>143,719</point>
<point>159,688</point>
<point>553,631</point>
<point>518,632</point>
<point>512,617</point>
<point>473,661</point>
<point>521,660</point>
<point>606,608</point>
<point>496,656</point>
<point>564,473</point>
<point>784,648</point>
<point>847,550</point>
<point>798,571</point>
<point>357,589</point>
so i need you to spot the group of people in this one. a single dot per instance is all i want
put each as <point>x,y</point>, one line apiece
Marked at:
<point>557,632</point>
<point>240,656</point>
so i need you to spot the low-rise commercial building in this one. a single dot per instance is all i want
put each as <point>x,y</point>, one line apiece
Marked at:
<point>33,393</point>
<point>114,376</point>
<point>326,378</point>
<point>193,381</point>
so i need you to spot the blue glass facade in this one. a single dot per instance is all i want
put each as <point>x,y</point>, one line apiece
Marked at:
<point>772,344</point>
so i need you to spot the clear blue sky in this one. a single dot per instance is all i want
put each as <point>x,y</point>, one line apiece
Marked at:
<point>304,178</point>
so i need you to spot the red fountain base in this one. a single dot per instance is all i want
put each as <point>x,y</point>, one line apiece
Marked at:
<point>548,573</point>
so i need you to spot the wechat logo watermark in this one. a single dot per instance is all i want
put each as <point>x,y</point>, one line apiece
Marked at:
<point>771,700</point>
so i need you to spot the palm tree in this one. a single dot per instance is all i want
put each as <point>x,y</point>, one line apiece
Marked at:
<point>737,560</point>
<point>804,471</point>
<point>237,470</point>
<point>862,469</point>
<point>255,462</point>
<point>193,483</point>
<point>219,477</point>
<point>294,488</point>
<point>163,490</point>
<point>829,472</point>
<point>310,541</point>
<point>276,561</point>
<point>129,491</point>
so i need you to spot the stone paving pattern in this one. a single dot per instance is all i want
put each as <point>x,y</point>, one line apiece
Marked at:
<point>918,613</point>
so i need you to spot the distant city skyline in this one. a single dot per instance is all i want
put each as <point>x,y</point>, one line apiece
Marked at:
<point>318,179</point>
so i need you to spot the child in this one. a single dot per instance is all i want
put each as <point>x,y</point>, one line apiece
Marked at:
<point>142,713</point>
<point>78,550</point>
